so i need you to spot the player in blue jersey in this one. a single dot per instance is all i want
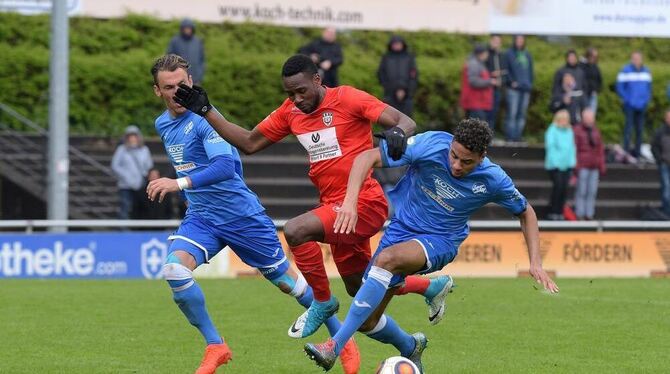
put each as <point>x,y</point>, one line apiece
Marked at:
<point>448,179</point>
<point>222,211</point>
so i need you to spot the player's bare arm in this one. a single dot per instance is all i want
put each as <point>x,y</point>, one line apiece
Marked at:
<point>531,234</point>
<point>392,117</point>
<point>248,141</point>
<point>347,216</point>
<point>195,99</point>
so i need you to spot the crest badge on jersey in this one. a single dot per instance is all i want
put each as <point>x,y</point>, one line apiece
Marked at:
<point>327,118</point>
<point>478,188</point>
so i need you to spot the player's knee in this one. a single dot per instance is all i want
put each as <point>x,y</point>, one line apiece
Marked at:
<point>294,233</point>
<point>352,289</point>
<point>352,284</point>
<point>178,276</point>
<point>387,260</point>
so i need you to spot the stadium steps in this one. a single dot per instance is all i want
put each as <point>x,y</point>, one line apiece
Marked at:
<point>278,175</point>
<point>23,159</point>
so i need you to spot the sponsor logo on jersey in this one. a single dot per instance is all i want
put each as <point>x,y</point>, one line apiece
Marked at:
<point>478,188</point>
<point>188,128</point>
<point>321,145</point>
<point>327,118</point>
<point>176,152</point>
<point>445,190</point>
<point>185,167</point>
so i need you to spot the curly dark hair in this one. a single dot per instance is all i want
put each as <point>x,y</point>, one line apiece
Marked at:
<point>474,134</point>
<point>298,64</point>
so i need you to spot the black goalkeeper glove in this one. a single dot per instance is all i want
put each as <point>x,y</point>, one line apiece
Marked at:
<point>396,142</point>
<point>193,98</point>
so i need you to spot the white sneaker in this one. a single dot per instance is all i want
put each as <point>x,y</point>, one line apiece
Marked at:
<point>437,305</point>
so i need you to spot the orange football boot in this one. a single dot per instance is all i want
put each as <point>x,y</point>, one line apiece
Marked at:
<point>350,357</point>
<point>215,356</point>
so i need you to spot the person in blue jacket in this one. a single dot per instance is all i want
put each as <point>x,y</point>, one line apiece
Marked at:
<point>633,85</point>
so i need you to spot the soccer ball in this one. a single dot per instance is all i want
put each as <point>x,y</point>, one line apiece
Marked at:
<point>397,365</point>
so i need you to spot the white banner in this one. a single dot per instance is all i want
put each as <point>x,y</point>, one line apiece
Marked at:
<point>36,6</point>
<point>648,18</point>
<point>466,16</point>
<point>645,18</point>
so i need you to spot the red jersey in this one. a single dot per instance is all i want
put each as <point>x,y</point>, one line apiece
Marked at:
<point>333,135</point>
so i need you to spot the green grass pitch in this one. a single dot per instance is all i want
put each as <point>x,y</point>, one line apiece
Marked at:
<point>492,325</point>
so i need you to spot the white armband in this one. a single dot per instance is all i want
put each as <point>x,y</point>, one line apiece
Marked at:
<point>182,183</point>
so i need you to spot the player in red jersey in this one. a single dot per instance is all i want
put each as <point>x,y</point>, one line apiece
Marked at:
<point>334,126</point>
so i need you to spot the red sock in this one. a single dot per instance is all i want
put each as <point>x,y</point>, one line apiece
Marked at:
<point>414,284</point>
<point>309,260</point>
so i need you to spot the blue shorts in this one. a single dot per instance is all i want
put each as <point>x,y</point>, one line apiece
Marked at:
<point>253,239</point>
<point>440,250</point>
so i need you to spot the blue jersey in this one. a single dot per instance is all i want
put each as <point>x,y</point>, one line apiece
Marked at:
<point>191,143</point>
<point>428,199</point>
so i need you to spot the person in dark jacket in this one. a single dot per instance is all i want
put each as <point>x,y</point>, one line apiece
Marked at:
<point>327,55</point>
<point>568,97</point>
<point>519,83</point>
<point>633,85</point>
<point>593,80</point>
<point>153,209</point>
<point>398,76</point>
<point>660,147</point>
<point>590,164</point>
<point>477,85</point>
<point>495,64</point>
<point>571,67</point>
<point>191,48</point>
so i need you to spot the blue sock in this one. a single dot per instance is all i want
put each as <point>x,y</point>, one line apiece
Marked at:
<point>367,299</point>
<point>332,323</point>
<point>190,299</point>
<point>387,331</point>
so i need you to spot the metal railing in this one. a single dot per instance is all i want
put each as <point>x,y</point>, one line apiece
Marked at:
<point>42,131</point>
<point>29,226</point>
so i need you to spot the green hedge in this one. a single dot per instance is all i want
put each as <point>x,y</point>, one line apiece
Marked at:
<point>110,85</point>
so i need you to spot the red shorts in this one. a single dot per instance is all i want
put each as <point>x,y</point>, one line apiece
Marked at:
<point>351,252</point>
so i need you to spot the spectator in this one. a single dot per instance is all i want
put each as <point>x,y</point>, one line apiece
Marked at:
<point>590,164</point>
<point>559,161</point>
<point>131,163</point>
<point>191,48</point>
<point>327,55</point>
<point>477,85</point>
<point>660,147</point>
<point>633,85</point>
<point>495,64</point>
<point>568,97</point>
<point>153,209</point>
<point>571,67</point>
<point>398,76</point>
<point>519,84</point>
<point>593,80</point>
